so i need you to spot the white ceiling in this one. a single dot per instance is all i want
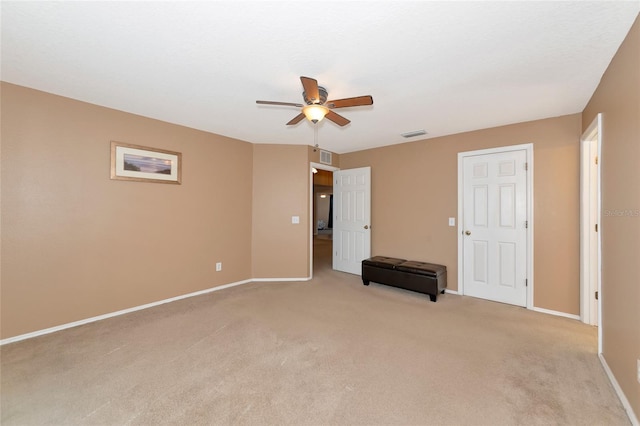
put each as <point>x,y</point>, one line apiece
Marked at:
<point>446,67</point>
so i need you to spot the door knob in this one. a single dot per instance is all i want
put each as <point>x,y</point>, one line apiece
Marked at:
<point>467,232</point>
<point>366,227</point>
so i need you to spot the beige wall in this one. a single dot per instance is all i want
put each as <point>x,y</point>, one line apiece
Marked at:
<point>76,244</point>
<point>281,182</point>
<point>314,156</point>
<point>618,98</point>
<point>414,192</point>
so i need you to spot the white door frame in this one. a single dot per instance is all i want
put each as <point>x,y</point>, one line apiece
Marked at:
<point>318,166</point>
<point>588,285</point>
<point>528,147</point>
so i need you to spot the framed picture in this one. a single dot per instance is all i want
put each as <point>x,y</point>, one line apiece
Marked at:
<point>143,164</point>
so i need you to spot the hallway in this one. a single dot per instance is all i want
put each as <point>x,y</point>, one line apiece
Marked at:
<point>322,245</point>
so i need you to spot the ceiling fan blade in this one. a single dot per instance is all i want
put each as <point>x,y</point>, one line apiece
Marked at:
<point>337,118</point>
<point>350,102</point>
<point>295,120</point>
<point>311,89</point>
<point>279,103</point>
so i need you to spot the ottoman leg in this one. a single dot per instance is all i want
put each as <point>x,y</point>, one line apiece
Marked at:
<point>365,282</point>
<point>432,297</point>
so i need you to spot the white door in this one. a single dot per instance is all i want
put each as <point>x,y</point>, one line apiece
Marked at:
<point>351,219</point>
<point>495,226</point>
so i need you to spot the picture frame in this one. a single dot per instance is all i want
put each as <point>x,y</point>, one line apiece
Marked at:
<point>145,164</point>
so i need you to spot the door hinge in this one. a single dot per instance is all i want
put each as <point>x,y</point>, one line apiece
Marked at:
<point>526,282</point>
<point>526,166</point>
<point>596,295</point>
<point>526,224</point>
<point>596,227</point>
<point>596,159</point>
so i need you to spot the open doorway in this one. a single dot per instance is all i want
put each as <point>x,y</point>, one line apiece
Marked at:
<point>323,204</point>
<point>351,231</point>
<point>590,204</point>
<point>321,207</point>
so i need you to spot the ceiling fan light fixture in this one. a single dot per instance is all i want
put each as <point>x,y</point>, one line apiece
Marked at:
<point>315,113</point>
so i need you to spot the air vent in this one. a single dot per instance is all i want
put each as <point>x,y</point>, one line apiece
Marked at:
<point>413,134</point>
<point>325,157</point>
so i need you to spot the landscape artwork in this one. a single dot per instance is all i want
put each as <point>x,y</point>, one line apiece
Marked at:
<point>138,163</point>
<point>144,164</point>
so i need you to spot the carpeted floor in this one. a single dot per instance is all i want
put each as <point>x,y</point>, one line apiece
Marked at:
<point>326,352</point>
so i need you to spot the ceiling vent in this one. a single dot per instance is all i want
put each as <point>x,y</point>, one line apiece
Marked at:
<point>413,134</point>
<point>325,157</point>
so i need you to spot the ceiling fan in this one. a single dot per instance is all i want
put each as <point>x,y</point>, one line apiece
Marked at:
<point>317,107</point>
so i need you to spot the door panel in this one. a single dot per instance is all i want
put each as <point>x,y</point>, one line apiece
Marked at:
<point>480,206</point>
<point>480,261</point>
<point>507,218</point>
<point>506,264</point>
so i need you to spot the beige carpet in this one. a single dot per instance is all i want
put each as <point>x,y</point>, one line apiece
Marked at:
<point>326,352</point>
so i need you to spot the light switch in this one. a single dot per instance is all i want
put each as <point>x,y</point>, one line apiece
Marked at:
<point>452,221</point>
<point>295,219</point>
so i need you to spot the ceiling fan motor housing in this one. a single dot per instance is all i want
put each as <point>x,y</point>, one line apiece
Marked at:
<point>322,92</point>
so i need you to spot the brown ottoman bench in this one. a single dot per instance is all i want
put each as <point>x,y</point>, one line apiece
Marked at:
<point>426,278</point>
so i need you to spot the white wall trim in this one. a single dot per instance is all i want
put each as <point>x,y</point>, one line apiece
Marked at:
<point>446,290</point>
<point>593,133</point>
<point>323,166</point>
<point>556,313</point>
<point>619,392</point>
<point>117,313</point>
<point>141,307</point>
<point>273,280</point>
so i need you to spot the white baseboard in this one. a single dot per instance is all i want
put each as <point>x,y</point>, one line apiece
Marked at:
<point>542,310</point>
<point>557,313</point>
<point>114,314</point>
<point>198,293</point>
<point>270,280</point>
<point>138,308</point>
<point>618,389</point>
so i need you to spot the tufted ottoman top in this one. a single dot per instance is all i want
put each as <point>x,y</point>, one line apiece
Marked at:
<point>422,268</point>
<point>383,262</point>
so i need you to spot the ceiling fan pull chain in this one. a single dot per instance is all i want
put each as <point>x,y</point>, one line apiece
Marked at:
<point>315,135</point>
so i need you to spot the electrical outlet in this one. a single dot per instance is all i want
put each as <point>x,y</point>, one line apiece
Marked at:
<point>218,266</point>
<point>452,221</point>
